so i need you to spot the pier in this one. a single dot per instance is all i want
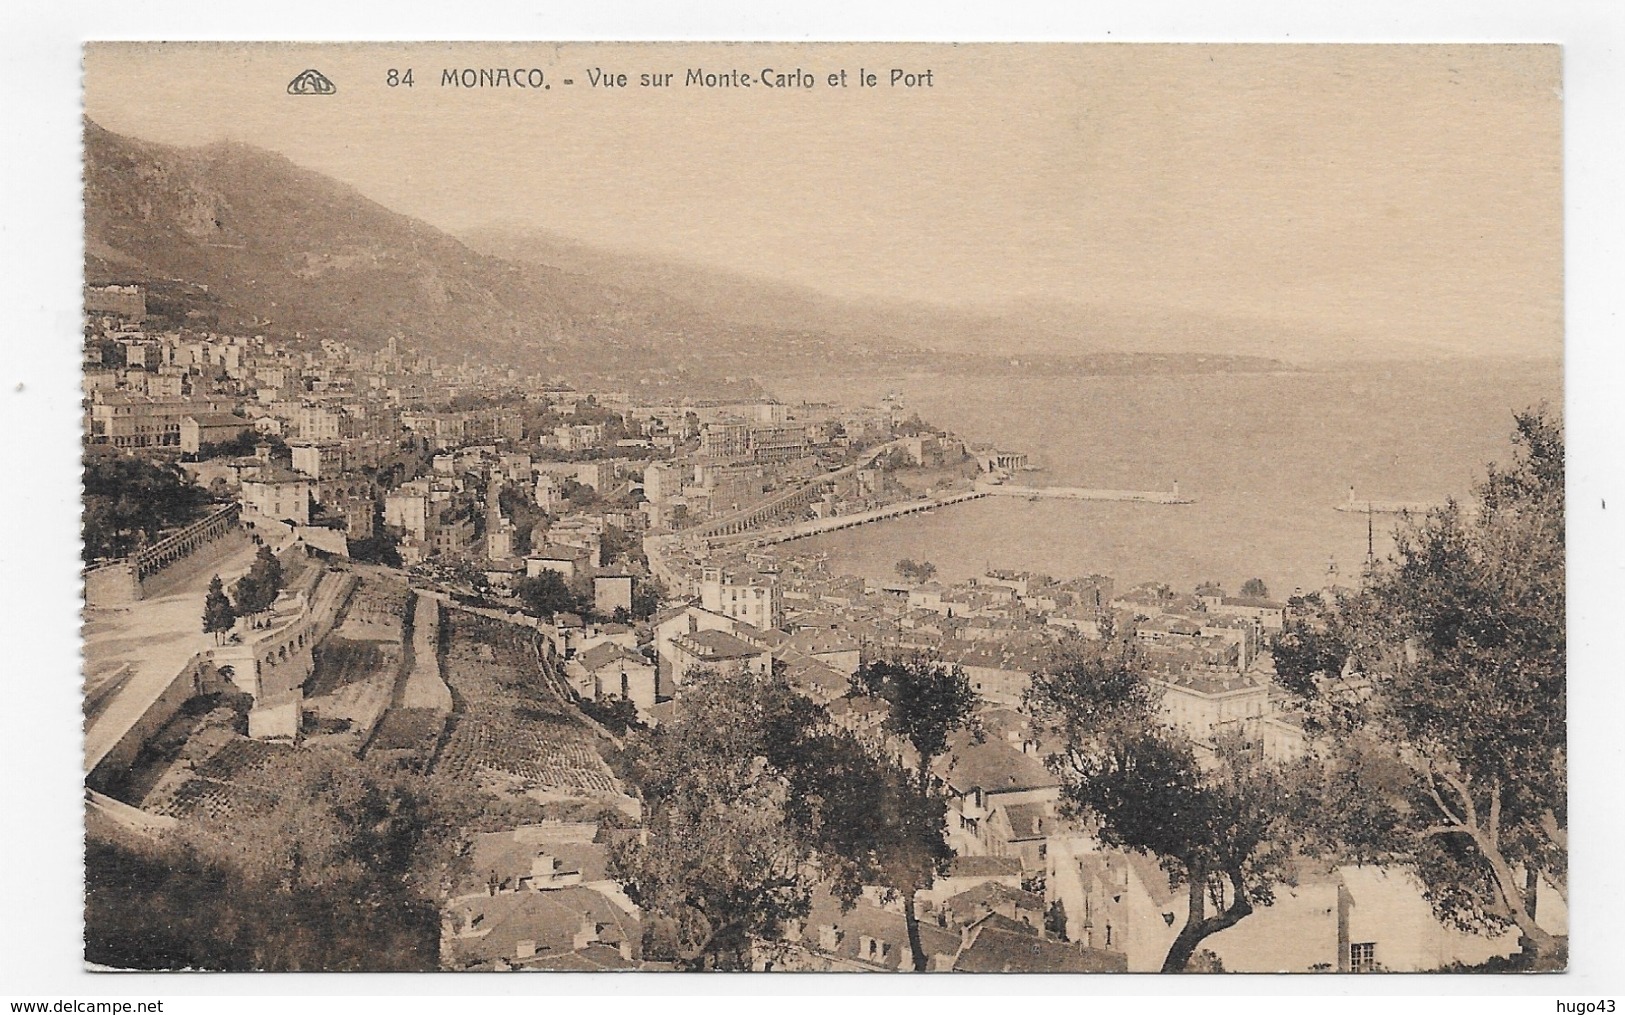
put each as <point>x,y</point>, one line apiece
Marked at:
<point>1085,493</point>
<point>1387,507</point>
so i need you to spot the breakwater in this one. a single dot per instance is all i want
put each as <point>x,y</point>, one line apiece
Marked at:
<point>1084,493</point>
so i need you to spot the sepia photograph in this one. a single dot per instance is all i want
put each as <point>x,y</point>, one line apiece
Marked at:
<point>1058,508</point>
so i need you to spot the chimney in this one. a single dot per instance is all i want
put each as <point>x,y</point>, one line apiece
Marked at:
<point>586,934</point>
<point>542,869</point>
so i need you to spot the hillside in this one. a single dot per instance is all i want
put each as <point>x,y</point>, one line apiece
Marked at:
<point>232,237</point>
<point>1087,333</point>
<point>291,251</point>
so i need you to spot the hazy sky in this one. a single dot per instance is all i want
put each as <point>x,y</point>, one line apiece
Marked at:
<point>1395,191</point>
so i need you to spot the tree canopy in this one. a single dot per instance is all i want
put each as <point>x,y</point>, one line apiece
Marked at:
<point>927,701</point>
<point>1456,694</point>
<point>752,797</point>
<point>256,591</point>
<point>916,571</point>
<point>218,615</point>
<point>1224,829</point>
<point>726,859</point>
<point>548,594</point>
<point>129,501</point>
<point>338,870</point>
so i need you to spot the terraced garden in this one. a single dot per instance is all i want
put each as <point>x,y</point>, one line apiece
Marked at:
<point>513,731</point>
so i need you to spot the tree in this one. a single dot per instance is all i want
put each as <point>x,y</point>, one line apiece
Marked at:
<point>256,591</point>
<point>249,598</point>
<point>1223,831</point>
<point>267,570</point>
<point>725,861</point>
<point>547,594</point>
<point>1055,920</point>
<point>579,495</point>
<point>218,616</point>
<point>618,543</point>
<point>128,501</point>
<point>1311,645</point>
<point>1255,588</point>
<point>378,548</point>
<point>922,571</point>
<point>875,826</point>
<point>647,595</point>
<point>927,702</point>
<point>338,870</point>
<point>1459,645</point>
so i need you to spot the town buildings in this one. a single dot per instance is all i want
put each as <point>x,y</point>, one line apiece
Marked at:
<point>379,449</point>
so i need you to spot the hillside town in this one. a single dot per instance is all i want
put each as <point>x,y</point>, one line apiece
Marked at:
<point>503,584</point>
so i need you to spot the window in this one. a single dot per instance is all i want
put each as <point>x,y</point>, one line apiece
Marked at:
<point>1363,957</point>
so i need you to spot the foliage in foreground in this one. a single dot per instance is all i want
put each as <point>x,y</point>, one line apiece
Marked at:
<point>1225,830</point>
<point>1441,691</point>
<point>752,798</point>
<point>338,871</point>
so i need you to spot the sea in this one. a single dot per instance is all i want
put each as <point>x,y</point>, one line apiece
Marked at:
<point>1266,457</point>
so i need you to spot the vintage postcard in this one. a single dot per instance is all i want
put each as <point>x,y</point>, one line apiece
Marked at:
<point>1015,508</point>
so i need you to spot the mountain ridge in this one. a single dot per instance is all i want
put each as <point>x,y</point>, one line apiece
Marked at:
<point>289,251</point>
<point>293,251</point>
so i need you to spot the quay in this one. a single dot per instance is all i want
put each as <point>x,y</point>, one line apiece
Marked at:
<point>802,530</point>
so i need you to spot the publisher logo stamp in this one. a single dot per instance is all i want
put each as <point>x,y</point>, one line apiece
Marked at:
<point>311,82</point>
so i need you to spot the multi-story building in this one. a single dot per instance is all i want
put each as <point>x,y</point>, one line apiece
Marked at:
<point>136,421</point>
<point>778,442</point>
<point>1204,703</point>
<point>407,509</point>
<point>452,534</point>
<point>729,438</point>
<point>318,459</point>
<point>126,301</point>
<point>207,428</point>
<point>752,598</point>
<point>317,423</point>
<point>279,495</point>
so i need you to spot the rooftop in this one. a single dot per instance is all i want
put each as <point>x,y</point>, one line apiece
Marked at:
<point>1005,951</point>
<point>608,653</point>
<point>984,867</point>
<point>993,767</point>
<point>718,645</point>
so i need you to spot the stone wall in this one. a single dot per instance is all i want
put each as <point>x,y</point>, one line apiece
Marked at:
<point>111,585</point>
<point>188,682</point>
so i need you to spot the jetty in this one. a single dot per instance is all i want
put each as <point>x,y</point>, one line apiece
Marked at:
<point>1387,507</point>
<point>1085,493</point>
<point>820,526</point>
